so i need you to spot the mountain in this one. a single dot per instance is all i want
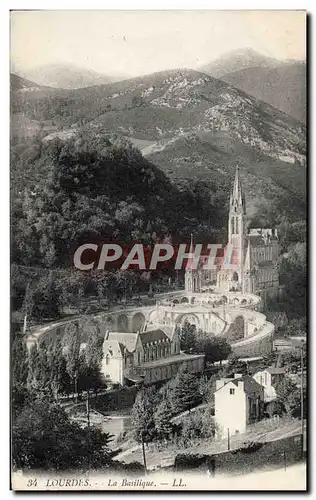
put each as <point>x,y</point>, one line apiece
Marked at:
<point>284,87</point>
<point>191,125</point>
<point>24,94</point>
<point>21,84</point>
<point>237,60</point>
<point>66,76</point>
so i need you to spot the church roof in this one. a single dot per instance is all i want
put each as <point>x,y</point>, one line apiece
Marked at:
<point>149,336</point>
<point>128,340</point>
<point>114,347</point>
<point>168,330</point>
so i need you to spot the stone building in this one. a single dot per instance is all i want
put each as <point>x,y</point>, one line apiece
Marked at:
<point>146,356</point>
<point>255,255</point>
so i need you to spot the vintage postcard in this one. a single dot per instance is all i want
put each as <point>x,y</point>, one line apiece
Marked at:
<point>158,250</point>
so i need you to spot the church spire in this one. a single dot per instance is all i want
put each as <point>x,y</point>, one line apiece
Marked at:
<point>189,264</point>
<point>191,244</point>
<point>237,198</point>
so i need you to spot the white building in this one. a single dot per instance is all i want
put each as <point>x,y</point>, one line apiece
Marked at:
<point>238,402</point>
<point>268,378</point>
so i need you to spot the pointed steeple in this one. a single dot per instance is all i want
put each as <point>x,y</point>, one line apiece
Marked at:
<point>189,264</point>
<point>191,244</point>
<point>237,199</point>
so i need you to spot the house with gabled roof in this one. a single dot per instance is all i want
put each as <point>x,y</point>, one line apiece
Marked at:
<point>269,378</point>
<point>239,401</point>
<point>149,356</point>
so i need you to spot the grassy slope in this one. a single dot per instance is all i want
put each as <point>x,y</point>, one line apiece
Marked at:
<point>213,158</point>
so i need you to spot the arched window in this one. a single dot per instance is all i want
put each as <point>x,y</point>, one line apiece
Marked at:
<point>107,359</point>
<point>232,222</point>
<point>237,226</point>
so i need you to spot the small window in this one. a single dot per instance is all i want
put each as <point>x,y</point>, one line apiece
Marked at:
<point>107,359</point>
<point>231,391</point>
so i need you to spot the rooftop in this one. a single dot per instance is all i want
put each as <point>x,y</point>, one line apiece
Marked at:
<point>148,336</point>
<point>127,339</point>
<point>171,359</point>
<point>250,385</point>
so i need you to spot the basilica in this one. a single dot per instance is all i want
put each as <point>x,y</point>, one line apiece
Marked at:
<point>255,256</point>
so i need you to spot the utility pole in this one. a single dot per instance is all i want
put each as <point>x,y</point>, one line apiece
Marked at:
<point>25,324</point>
<point>76,388</point>
<point>228,439</point>
<point>89,441</point>
<point>144,454</point>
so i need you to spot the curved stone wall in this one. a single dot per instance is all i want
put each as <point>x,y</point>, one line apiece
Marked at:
<point>210,315</point>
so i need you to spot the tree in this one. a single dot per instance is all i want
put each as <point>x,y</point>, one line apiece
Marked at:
<point>184,391</point>
<point>28,302</point>
<point>143,414</point>
<point>43,372</point>
<point>293,276</point>
<point>234,365</point>
<point>187,336</point>
<point>162,419</point>
<point>289,395</point>
<point>72,345</point>
<point>214,348</point>
<point>33,370</point>
<point>44,438</point>
<point>19,357</point>
<point>93,355</point>
<point>296,328</point>
<point>198,424</point>
<point>59,378</point>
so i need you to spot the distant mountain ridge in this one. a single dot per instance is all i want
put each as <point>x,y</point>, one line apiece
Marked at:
<point>237,60</point>
<point>18,83</point>
<point>284,87</point>
<point>282,84</point>
<point>190,125</point>
<point>66,76</point>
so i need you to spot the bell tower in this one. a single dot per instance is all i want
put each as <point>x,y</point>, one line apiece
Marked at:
<point>237,227</point>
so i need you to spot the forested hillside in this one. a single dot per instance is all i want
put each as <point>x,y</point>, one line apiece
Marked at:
<point>142,160</point>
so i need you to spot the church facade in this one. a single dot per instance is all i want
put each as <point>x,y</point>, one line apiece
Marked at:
<point>255,255</point>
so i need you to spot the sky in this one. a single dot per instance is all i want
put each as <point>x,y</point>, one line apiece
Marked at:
<point>135,43</point>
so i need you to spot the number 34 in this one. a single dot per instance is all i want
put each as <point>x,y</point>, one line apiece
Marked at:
<point>32,482</point>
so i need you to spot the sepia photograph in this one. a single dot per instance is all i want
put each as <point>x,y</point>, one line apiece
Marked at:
<point>158,250</point>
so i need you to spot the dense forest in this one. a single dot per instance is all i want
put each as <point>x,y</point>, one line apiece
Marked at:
<point>95,188</point>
